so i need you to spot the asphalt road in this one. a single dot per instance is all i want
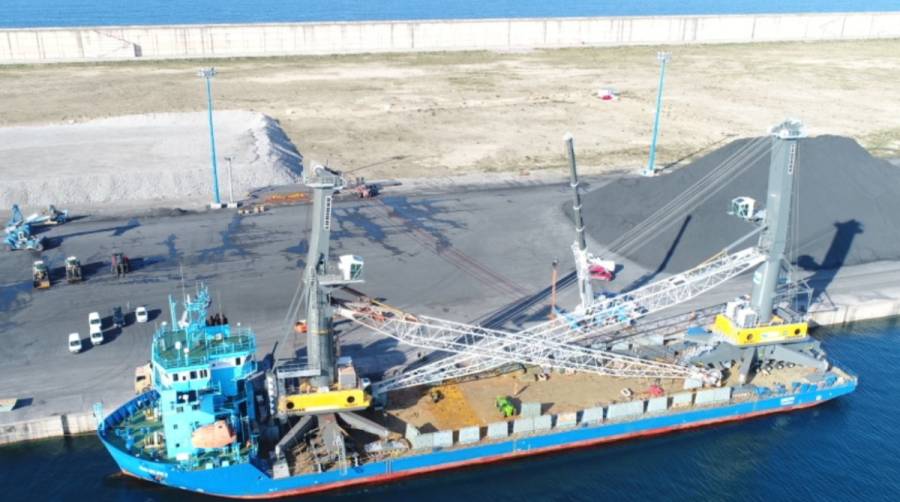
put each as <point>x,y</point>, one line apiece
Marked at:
<point>460,256</point>
<point>468,255</point>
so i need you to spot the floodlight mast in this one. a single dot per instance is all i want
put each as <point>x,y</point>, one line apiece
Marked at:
<point>207,74</point>
<point>663,58</point>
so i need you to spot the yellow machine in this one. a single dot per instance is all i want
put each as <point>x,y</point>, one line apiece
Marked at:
<point>777,331</point>
<point>40,275</point>
<point>325,402</point>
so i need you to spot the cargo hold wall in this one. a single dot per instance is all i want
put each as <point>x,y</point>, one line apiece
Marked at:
<point>241,40</point>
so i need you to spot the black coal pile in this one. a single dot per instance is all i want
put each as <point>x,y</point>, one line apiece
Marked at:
<point>847,207</point>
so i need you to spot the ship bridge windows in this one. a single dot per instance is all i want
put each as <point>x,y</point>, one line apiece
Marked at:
<point>186,397</point>
<point>185,376</point>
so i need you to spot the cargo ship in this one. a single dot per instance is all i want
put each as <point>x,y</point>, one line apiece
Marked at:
<point>217,421</point>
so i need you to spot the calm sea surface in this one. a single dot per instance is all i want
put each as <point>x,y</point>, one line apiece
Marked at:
<point>848,449</point>
<point>31,13</point>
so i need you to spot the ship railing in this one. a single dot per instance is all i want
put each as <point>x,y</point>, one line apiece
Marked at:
<point>240,339</point>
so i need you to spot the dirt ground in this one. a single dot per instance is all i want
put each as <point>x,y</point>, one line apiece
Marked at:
<point>437,114</point>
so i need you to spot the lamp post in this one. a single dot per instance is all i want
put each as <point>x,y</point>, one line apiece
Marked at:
<point>663,58</point>
<point>208,74</point>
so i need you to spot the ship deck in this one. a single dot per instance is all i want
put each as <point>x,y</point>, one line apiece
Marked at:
<point>472,402</point>
<point>140,433</point>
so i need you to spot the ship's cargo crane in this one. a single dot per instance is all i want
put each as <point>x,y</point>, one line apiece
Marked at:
<point>587,266</point>
<point>594,317</point>
<point>323,388</point>
<point>603,316</point>
<point>752,322</point>
<point>440,334</point>
<point>749,331</point>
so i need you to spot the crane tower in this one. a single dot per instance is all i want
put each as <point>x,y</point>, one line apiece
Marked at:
<point>753,322</point>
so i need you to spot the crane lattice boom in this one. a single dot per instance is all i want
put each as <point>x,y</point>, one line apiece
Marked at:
<point>603,316</point>
<point>441,334</point>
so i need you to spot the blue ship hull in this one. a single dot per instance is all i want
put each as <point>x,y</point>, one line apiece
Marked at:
<point>246,480</point>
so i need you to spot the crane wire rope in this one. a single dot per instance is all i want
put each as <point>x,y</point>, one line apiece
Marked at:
<point>701,191</point>
<point>724,167</point>
<point>292,314</point>
<point>688,205</point>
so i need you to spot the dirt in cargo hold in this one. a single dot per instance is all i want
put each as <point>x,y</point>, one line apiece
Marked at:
<point>473,402</point>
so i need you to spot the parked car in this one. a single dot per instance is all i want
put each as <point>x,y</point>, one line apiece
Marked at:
<point>95,324</point>
<point>141,315</point>
<point>74,343</point>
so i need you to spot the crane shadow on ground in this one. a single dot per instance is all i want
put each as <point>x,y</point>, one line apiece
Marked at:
<point>646,278</point>
<point>372,231</point>
<point>824,272</point>
<point>116,231</point>
<point>517,311</point>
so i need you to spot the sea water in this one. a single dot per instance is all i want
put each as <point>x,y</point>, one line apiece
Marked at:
<point>34,13</point>
<point>845,449</point>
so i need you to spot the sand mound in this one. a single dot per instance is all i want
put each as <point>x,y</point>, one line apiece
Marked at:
<point>142,159</point>
<point>848,205</point>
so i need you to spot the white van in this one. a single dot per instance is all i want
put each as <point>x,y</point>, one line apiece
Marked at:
<point>96,328</point>
<point>74,343</point>
<point>141,315</point>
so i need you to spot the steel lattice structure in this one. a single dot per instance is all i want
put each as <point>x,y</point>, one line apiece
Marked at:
<point>441,334</point>
<point>479,349</point>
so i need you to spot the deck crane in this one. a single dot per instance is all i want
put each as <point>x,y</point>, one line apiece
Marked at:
<point>316,392</point>
<point>594,317</point>
<point>478,353</point>
<point>587,266</point>
<point>510,347</point>
<point>750,331</point>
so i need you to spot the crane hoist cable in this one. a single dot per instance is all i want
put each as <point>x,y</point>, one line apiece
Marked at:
<point>710,184</point>
<point>638,240</point>
<point>700,184</point>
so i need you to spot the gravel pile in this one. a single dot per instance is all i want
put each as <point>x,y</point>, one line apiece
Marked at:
<point>848,207</point>
<point>141,159</point>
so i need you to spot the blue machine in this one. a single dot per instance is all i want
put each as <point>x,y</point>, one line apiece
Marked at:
<point>18,233</point>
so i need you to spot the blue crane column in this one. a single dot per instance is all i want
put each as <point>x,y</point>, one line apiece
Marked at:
<point>663,58</point>
<point>208,74</point>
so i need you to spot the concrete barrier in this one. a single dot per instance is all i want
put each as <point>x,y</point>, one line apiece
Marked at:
<point>241,40</point>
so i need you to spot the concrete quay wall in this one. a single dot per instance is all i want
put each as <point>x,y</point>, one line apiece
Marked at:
<point>847,313</point>
<point>48,427</point>
<point>84,422</point>
<point>240,40</point>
